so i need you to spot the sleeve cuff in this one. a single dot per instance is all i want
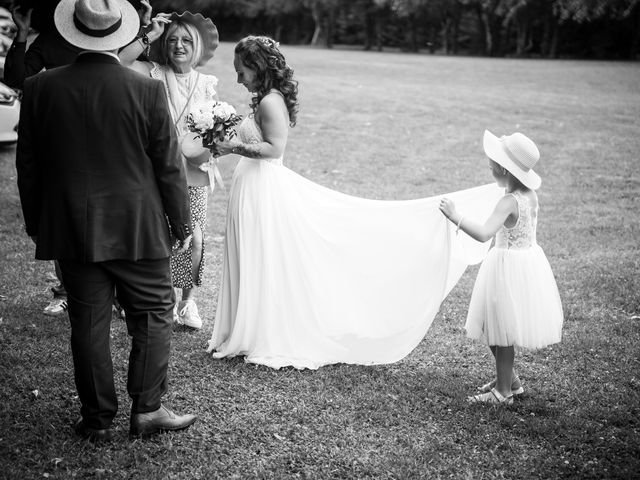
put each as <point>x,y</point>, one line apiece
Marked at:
<point>181,231</point>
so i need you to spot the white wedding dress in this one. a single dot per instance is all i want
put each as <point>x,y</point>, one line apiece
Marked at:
<point>313,277</point>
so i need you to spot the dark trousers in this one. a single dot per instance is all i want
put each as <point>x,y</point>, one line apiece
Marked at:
<point>146,294</point>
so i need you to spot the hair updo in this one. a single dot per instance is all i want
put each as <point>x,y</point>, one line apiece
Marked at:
<point>263,56</point>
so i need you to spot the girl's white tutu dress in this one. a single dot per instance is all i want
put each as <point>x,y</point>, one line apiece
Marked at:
<point>515,299</point>
<point>313,277</point>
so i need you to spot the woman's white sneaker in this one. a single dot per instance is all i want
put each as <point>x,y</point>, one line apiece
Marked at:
<point>56,307</point>
<point>188,314</point>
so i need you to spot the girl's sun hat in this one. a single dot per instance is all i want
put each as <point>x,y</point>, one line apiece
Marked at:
<point>517,153</point>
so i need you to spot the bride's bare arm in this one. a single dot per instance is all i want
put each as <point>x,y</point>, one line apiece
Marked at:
<point>274,124</point>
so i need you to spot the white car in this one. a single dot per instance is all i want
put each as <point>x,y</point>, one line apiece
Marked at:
<point>9,114</point>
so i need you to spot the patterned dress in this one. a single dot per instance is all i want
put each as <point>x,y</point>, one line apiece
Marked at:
<point>185,90</point>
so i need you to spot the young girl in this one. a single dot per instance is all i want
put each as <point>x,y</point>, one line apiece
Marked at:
<point>515,300</point>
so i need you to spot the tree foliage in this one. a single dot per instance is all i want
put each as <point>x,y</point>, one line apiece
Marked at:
<point>589,28</point>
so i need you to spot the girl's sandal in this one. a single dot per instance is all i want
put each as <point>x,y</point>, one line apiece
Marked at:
<point>492,396</point>
<point>516,387</point>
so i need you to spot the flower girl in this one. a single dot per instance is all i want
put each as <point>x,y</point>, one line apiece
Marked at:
<point>515,300</point>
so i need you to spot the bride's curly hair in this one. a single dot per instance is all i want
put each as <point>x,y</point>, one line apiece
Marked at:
<point>263,56</point>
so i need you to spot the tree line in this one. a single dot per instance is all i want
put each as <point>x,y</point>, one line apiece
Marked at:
<point>523,28</point>
<point>534,28</point>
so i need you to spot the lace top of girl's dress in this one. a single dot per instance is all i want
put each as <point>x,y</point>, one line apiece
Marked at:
<point>249,132</point>
<point>178,87</point>
<point>523,234</point>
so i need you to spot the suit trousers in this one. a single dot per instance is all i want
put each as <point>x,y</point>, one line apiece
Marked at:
<point>146,294</point>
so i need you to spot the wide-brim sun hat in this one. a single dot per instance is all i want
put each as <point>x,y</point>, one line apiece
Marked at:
<point>517,153</point>
<point>206,28</point>
<point>192,149</point>
<point>97,25</point>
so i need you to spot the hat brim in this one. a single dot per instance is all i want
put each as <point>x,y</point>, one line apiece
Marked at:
<point>206,28</point>
<point>494,149</point>
<point>63,18</point>
<point>192,149</point>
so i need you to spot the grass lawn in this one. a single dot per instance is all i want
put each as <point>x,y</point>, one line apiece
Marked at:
<point>387,126</point>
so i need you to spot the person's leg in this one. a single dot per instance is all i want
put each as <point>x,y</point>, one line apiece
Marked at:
<point>146,294</point>
<point>196,259</point>
<point>58,304</point>
<point>90,296</point>
<point>187,309</point>
<point>117,309</point>
<point>516,384</point>
<point>504,369</point>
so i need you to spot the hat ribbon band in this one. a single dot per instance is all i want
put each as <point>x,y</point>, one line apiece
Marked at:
<point>512,157</point>
<point>96,33</point>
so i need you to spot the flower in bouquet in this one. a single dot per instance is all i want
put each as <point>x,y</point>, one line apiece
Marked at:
<point>213,121</point>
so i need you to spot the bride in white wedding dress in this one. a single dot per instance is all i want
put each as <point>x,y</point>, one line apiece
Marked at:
<point>312,276</point>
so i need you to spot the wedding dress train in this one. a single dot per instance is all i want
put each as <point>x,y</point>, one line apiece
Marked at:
<point>313,277</point>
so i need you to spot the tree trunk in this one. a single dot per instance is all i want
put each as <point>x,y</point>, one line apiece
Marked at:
<point>379,21</point>
<point>446,35</point>
<point>369,29</point>
<point>545,42</point>
<point>553,47</point>
<point>331,20</point>
<point>277,33</point>
<point>413,35</point>
<point>455,36</point>
<point>317,20</point>
<point>489,44</point>
<point>433,40</point>
<point>372,28</point>
<point>634,44</point>
<point>521,39</point>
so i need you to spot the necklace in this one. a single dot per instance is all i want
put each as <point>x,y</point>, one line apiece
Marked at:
<point>180,91</point>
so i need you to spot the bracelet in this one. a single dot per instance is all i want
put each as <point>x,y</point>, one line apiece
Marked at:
<point>458,226</point>
<point>146,45</point>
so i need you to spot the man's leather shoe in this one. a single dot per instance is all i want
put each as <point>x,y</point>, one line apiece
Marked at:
<point>161,420</point>
<point>94,435</point>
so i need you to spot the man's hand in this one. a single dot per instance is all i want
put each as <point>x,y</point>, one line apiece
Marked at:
<point>145,13</point>
<point>23,22</point>
<point>181,247</point>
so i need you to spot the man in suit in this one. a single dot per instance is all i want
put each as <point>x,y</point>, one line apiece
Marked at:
<point>99,175</point>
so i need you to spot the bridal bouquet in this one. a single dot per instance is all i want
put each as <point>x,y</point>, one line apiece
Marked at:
<point>213,121</point>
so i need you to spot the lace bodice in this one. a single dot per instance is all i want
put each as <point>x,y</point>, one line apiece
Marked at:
<point>204,92</point>
<point>523,234</point>
<point>249,132</point>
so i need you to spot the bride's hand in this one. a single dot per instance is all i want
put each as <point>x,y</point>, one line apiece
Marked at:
<point>226,147</point>
<point>447,207</point>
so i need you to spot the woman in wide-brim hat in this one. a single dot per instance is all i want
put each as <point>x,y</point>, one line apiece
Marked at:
<point>176,44</point>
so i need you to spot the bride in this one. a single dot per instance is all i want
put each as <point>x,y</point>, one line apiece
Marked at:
<point>312,276</point>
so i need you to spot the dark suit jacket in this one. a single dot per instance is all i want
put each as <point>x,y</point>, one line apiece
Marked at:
<point>98,164</point>
<point>47,51</point>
